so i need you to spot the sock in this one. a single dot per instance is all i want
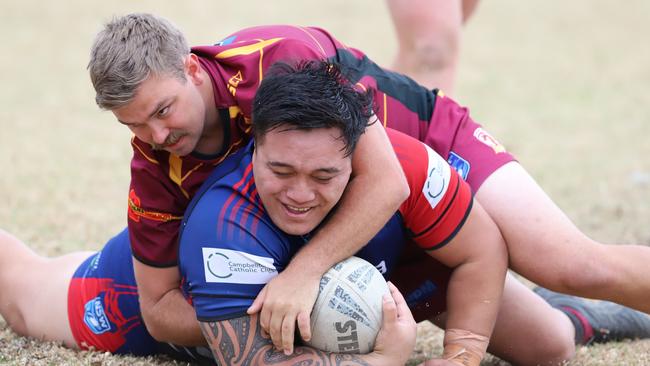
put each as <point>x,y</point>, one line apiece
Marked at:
<point>584,332</point>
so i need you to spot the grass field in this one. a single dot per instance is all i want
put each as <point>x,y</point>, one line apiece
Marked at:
<point>564,85</point>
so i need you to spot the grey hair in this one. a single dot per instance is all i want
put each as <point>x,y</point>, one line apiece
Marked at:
<point>128,50</point>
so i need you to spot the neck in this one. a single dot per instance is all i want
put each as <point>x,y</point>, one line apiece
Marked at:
<point>212,136</point>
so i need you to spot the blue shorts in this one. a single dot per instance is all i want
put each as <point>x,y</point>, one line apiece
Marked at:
<point>104,311</point>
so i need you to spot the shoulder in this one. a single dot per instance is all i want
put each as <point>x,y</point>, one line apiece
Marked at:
<point>280,40</point>
<point>417,159</point>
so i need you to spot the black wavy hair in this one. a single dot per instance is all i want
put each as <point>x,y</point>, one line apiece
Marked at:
<point>309,95</point>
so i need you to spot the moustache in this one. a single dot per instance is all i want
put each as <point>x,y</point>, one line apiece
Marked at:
<point>171,139</point>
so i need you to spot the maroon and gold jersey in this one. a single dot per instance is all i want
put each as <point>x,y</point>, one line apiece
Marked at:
<point>162,184</point>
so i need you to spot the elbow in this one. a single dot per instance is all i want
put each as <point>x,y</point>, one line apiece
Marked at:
<point>150,323</point>
<point>494,255</point>
<point>156,333</point>
<point>402,191</point>
<point>157,336</point>
<point>500,255</point>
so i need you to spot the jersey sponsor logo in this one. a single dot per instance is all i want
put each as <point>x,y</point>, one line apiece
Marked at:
<point>438,176</point>
<point>484,137</point>
<point>95,317</point>
<point>233,266</point>
<point>425,291</point>
<point>227,41</point>
<point>459,164</point>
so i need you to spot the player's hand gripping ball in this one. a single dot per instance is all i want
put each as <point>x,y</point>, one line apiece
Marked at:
<point>348,311</point>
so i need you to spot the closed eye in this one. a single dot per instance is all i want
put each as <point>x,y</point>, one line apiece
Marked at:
<point>282,174</point>
<point>323,179</point>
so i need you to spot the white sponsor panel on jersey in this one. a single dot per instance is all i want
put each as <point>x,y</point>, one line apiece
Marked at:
<point>233,266</point>
<point>438,176</point>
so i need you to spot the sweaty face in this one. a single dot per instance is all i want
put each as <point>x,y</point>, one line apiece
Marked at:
<point>300,176</point>
<point>167,113</point>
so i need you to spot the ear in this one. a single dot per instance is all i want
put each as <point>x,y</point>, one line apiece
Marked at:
<point>193,69</point>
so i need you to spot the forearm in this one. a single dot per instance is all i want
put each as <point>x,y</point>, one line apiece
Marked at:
<point>242,342</point>
<point>172,319</point>
<point>474,297</point>
<point>166,314</point>
<point>375,193</point>
<point>357,220</point>
<point>473,300</point>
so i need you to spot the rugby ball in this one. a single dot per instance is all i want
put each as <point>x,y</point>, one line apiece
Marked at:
<point>348,311</point>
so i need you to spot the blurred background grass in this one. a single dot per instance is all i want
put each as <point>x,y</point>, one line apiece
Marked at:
<point>563,85</point>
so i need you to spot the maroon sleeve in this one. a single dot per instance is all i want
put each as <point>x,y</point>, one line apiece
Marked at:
<point>155,208</point>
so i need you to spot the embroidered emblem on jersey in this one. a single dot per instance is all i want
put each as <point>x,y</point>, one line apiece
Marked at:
<point>484,137</point>
<point>95,317</point>
<point>438,177</point>
<point>233,82</point>
<point>136,211</point>
<point>233,266</point>
<point>425,291</point>
<point>226,41</point>
<point>459,164</point>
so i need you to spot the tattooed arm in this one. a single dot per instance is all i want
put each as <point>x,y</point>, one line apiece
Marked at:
<point>241,341</point>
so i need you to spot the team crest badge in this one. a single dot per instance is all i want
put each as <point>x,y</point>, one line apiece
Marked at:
<point>95,317</point>
<point>483,136</point>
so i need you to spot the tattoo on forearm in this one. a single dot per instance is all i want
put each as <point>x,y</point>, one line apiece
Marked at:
<point>241,341</point>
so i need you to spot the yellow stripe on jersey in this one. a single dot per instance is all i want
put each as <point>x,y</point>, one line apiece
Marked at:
<point>259,66</point>
<point>234,111</point>
<point>151,160</point>
<point>385,111</point>
<point>175,172</point>
<point>247,50</point>
<point>322,50</point>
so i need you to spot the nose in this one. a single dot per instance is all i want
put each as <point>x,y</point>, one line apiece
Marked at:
<point>300,192</point>
<point>159,133</point>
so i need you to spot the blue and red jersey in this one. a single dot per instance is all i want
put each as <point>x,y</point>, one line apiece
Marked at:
<point>230,248</point>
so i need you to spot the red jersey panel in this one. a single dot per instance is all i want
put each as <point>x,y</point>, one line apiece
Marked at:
<point>440,200</point>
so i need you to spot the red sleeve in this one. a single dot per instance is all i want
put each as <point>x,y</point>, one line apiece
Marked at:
<point>440,200</point>
<point>155,208</point>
